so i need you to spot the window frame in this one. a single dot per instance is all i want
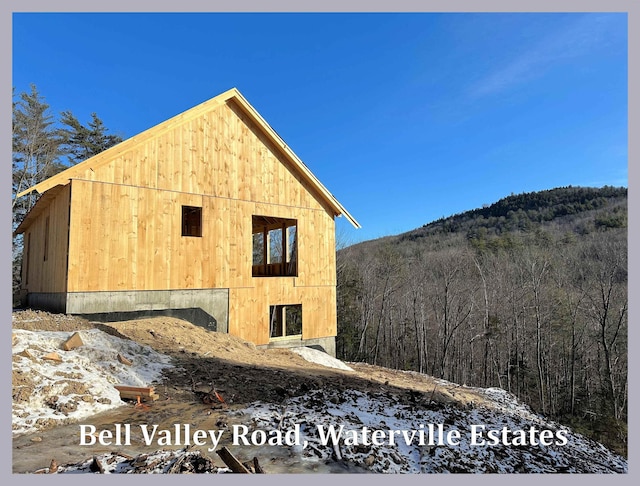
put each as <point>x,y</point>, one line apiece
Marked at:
<point>278,321</point>
<point>263,230</point>
<point>188,228</point>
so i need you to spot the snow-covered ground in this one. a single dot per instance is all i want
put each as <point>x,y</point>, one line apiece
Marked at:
<point>431,437</point>
<point>83,383</point>
<point>376,432</point>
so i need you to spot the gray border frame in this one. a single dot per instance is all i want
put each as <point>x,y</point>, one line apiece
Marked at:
<point>632,7</point>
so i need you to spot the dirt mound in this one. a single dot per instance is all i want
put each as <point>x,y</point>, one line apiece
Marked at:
<point>207,361</point>
<point>35,320</point>
<point>214,374</point>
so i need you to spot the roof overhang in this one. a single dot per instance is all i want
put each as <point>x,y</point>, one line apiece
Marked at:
<point>40,205</point>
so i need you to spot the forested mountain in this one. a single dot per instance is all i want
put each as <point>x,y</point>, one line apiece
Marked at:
<point>528,294</point>
<point>577,209</point>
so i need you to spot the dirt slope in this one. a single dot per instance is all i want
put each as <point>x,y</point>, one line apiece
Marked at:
<point>239,371</point>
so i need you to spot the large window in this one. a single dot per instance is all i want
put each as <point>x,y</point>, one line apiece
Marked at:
<point>285,320</point>
<point>275,247</point>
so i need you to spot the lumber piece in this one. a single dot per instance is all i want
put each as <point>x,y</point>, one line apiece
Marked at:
<point>75,341</point>
<point>133,392</point>
<point>53,357</point>
<point>257,467</point>
<point>96,466</point>
<point>124,360</point>
<point>230,460</point>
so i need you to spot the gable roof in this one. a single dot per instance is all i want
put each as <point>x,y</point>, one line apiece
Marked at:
<point>233,94</point>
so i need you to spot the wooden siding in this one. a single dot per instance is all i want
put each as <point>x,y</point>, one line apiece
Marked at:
<point>125,221</point>
<point>249,309</point>
<point>47,275</point>
<point>134,241</point>
<point>220,153</point>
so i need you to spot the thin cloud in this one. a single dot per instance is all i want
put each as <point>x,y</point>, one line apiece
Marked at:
<point>589,32</point>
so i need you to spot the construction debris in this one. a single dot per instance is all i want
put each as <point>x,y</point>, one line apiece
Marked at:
<point>184,461</point>
<point>124,360</point>
<point>75,341</point>
<point>140,393</point>
<point>53,357</point>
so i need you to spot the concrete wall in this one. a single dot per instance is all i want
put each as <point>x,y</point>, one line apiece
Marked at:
<point>326,344</point>
<point>49,301</point>
<point>208,308</point>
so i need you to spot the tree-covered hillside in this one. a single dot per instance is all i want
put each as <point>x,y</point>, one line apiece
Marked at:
<point>528,294</point>
<point>566,206</point>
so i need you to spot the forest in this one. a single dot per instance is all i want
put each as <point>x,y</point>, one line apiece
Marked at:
<point>528,294</point>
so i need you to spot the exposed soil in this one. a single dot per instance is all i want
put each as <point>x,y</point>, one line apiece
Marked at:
<point>209,366</point>
<point>236,369</point>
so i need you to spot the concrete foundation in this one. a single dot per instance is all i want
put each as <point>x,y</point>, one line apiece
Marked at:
<point>49,301</point>
<point>208,308</point>
<point>326,344</point>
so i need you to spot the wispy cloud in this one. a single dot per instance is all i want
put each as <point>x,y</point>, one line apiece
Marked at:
<point>579,38</point>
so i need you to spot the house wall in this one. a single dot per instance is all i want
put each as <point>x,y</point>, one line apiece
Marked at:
<point>40,276</point>
<point>126,223</point>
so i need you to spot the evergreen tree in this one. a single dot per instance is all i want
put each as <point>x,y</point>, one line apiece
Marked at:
<point>36,145</point>
<point>39,149</point>
<point>36,148</point>
<point>82,142</point>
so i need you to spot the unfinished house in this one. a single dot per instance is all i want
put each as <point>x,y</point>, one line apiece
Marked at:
<point>207,216</point>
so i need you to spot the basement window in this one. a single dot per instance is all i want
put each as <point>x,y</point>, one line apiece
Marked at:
<point>285,320</point>
<point>191,221</point>
<point>275,247</point>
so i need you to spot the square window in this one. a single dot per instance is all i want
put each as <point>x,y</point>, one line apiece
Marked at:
<point>285,320</point>
<point>191,221</point>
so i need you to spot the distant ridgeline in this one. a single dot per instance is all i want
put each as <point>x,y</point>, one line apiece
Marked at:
<point>572,209</point>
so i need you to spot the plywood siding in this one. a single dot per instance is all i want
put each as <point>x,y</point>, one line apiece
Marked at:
<point>133,241</point>
<point>218,153</point>
<point>126,226</point>
<point>47,235</point>
<point>249,309</point>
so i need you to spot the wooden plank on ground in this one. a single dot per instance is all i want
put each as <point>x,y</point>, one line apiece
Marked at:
<point>75,341</point>
<point>145,393</point>
<point>231,462</point>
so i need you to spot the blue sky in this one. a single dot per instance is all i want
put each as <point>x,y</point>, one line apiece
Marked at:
<point>405,118</point>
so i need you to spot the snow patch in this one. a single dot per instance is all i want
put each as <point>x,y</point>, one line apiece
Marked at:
<point>82,384</point>
<point>320,357</point>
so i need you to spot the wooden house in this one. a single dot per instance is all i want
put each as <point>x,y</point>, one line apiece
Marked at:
<point>208,215</point>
